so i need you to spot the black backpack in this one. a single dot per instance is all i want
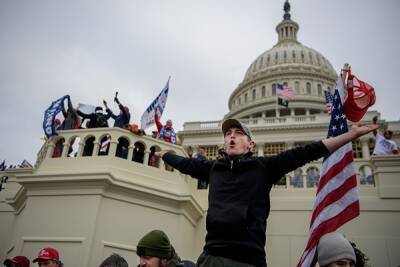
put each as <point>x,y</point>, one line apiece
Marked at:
<point>101,120</point>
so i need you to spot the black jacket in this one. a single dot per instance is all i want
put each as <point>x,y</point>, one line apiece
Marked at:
<point>122,119</point>
<point>239,197</point>
<point>95,120</point>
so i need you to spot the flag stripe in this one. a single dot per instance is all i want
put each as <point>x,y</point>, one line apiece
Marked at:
<point>351,211</point>
<point>334,195</point>
<point>334,170</point>
<point>334,183</point>
<point>329,226</point>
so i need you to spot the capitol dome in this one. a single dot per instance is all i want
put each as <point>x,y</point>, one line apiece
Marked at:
<point>289,62</point>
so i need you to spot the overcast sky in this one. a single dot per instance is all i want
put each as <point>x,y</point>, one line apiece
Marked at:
<point>88,49</point>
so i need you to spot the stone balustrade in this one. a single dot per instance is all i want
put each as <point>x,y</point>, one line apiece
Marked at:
<point>105,142</point>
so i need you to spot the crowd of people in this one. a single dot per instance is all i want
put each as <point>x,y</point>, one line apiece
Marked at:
<point>154,250</point>
<point>239,195</point>
<point>77,119</point>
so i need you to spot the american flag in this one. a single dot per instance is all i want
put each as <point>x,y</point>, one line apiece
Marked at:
<point>284,90</point>
<point>337,197</point>
<point>329,101</point>
<point>105,143</point>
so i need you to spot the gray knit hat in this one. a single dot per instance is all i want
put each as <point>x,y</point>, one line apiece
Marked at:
<point>155,244</point>
<point>333,247</point>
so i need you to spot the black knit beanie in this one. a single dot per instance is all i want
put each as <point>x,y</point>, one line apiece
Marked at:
<point>155,244</point>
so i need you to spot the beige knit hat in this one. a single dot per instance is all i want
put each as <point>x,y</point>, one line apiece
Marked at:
<point>334,247</point>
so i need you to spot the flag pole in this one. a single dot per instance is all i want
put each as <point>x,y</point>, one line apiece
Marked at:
<point>343,75</point>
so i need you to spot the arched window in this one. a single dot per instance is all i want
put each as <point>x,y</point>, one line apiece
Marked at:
<point>308,88</point>
<point>297,178</point>
<point>319,89</point>
<point>366,175</point>
<point>268,58</point>
<point>58,149</point>
<point>312,176</point>
<point>261,62</point>
<point>302,57</point>
<point>240,100</point>
<point>273,89</point>
<point>284,56</point>
<point>329,89</point>
<point>122,148</point>
<point>89,145</point>
<point>104,145</point>
<point>276,57</point>
<point>297,87</point>
<point>294,56</point>
<point>74,146</point>
<point>138,152</point>
<point>154,161</point>
<point>263,91</point>
<point>311,58</point>
<point>245,98</point>
<point>254,94</point>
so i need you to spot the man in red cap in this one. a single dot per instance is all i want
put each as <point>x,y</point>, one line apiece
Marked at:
<point>18,261</point>
<point>48,257</point>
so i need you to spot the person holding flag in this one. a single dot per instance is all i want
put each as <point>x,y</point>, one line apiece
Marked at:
<point>239,186</point>
<point>166,132</point>
<point>337,201</point>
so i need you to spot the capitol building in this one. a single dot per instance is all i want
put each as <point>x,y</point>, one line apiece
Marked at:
<point>91,204</point>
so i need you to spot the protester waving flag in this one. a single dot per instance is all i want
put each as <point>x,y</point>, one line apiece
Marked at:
<point>147,119</point>
<point>337,197</point>
<point>50,114</point>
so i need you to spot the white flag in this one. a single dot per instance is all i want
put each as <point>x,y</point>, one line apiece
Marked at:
<point>86,109</point>
<point>147,119</point>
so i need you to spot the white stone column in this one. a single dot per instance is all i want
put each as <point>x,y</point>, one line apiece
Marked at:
<point>113,148</point>
<point>290,145</point>
<point>307,112</point>
<point>365,148</point>
<point>146,157</point>
<point>80,148</point>
<point>65,150</point>
<point>50,150</point>
<point>292,112</point>
<point>263,114</point>
<point>130,152</point>
<point>96,146</point>
<point>260,150</point>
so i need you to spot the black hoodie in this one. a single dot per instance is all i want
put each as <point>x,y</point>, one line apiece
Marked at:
<point>238,197</point>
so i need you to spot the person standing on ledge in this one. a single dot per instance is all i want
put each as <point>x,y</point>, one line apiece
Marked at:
<point>239,186</point>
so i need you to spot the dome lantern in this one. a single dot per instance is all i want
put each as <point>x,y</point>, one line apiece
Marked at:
<point>287,29</point>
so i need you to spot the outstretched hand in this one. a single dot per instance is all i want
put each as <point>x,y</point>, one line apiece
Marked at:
<point>161,153</point>
<point>360,130</point>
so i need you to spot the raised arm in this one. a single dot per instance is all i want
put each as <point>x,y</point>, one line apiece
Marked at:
<point>157,120</point>
<point>197,168</point>
<point>356,131</point>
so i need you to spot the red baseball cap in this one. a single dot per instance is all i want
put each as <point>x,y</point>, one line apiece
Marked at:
<point>22,260</point>
<point>48,254</point>
<point>360,97</point>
